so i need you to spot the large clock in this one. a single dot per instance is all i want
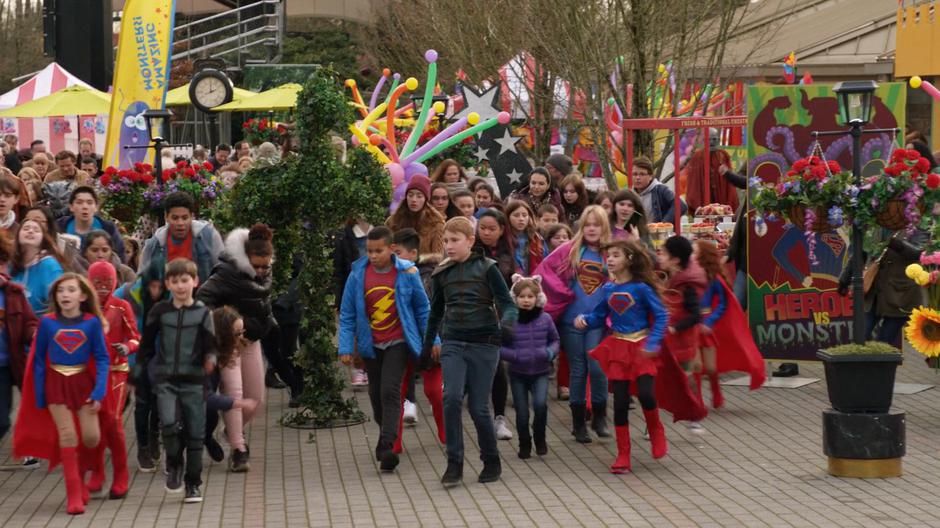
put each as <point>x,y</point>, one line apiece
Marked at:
<point>210,88</point>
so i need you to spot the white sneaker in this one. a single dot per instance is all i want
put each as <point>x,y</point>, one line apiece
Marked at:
<point>359,378</point>
<point>410,416</point>
<point>695,427</point>
<point>502,430</point>
<point>646,434</point>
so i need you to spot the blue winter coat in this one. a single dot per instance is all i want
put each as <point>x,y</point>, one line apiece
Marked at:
<point>534,346</point>
<point>411,302</point>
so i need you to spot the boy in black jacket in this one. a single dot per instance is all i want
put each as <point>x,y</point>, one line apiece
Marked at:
<point>183,328</point>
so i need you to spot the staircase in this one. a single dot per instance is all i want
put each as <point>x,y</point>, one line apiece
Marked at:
<point>250,34</point>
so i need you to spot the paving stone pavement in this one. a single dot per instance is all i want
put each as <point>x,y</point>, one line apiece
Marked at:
<point>760,463</point>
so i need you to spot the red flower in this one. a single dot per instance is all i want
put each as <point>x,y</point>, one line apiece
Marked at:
<point>246,125</point>
<point>834,166</point>
<point>892,171</point>
<point>189,172</point>
<point>180,164</point>
<point>912,154</point>
<point>207,166</point>
<point>922,165</point>
<point>146,167</point>
<point>933,180</point>
<point>818,172</point>
<point>146,179</point>
<point>137,166</point>
<point>898,155</point>
<point>792,173</point>
<point>168,174</point>
<point>105,179</point>
<point>110,170</point>
<point>800,164</point>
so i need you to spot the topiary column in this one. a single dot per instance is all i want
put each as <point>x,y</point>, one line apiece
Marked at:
<point>303,198</point>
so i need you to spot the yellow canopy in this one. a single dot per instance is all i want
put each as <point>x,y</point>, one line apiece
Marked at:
<point>69,101</point>
<point>283,97</point>
<point>180,96</point>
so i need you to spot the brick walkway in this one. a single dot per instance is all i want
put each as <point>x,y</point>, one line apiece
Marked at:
<point>759,464</point>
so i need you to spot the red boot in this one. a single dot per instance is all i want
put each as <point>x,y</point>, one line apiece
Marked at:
<point>96,480</point>
<point>717,399</point>
<point>119,483</point>
<point>73,481</point>
<point>622,464</point>
<point>657,433</point>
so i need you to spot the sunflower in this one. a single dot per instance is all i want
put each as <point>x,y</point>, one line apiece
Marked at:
<point>923,331</point>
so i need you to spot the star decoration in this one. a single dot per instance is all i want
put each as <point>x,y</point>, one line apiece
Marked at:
<point>484,103</point>
<point>507,143</point>
<point>481,154</point>
<point>514,176</point>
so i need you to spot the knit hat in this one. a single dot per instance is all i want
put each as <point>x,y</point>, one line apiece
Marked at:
<point>561,162</point>
<point>421,183</point>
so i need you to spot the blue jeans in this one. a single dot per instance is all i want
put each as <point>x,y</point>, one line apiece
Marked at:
<point>471,366</point>
<point>537,387</point>
<point>576,344</point>
<point>6,399</point>
<point>890,330</point>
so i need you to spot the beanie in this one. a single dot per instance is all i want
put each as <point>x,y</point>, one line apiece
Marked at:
<point>421,183</point>
<point>561,162</point>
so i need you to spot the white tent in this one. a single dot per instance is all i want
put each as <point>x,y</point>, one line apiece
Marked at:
<point>59,133</point>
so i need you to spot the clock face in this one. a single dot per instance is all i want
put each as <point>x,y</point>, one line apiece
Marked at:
<point>210,92</point>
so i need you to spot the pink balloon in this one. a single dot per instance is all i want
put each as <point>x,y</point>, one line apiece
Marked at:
<point>930,89</point>
<point>503,118</point>
<point>397,172</point>
<point>355,141</point>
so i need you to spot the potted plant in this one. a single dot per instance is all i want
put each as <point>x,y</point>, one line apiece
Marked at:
<point>813,196</point>
<point>895,199</point>
<point>257,131</point>
<point>196,179</point>
<point>122,193</point>
<point>860,378</point>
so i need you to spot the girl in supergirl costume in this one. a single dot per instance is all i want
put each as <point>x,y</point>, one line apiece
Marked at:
<point>639,322</point>
<point>66,381</point>
<point>723,325</point>
<point>122,340</point>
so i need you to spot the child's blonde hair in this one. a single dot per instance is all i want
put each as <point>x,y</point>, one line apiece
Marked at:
<point>534,283</point>
<point>460,225</point>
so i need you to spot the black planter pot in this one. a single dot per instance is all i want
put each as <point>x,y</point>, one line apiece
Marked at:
<point>860,383</point>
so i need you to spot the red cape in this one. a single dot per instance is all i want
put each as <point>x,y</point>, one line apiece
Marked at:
<point>736,349</point>
<point>673,392</point>
<point>35,434</point>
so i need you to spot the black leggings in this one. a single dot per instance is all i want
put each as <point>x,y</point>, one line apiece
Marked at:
<point>500,390</point>
<point>645,390</point>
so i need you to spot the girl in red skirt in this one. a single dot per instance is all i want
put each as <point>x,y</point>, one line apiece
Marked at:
<point>639,321</point>
<point>66,381</point>
<point>122,339</point>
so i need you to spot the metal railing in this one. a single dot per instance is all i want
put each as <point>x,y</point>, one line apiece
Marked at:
<point>250,32</point>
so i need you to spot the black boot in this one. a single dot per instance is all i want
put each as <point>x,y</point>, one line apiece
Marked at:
<point>525,447</point>
<point>387,458</point>
<point>271,380</point>
<point>541,447</point>
<point>453,474</point>
<point>599,420</point>
<point>578,427</point>
<point>492,469</point>
<point>787,370</point>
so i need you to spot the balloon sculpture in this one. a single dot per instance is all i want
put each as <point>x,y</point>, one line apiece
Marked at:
<point>916,82</point>
<point>378,133</point>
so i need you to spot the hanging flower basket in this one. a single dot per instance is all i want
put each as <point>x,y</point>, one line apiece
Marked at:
<point>820,224</point>
<point>892,216</point>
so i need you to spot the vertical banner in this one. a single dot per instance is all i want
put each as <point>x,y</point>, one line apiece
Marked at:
<point>793,307</point>
<point>141,77</point>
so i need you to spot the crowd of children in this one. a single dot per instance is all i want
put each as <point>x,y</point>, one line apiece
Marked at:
<point>476,296</point>
<point>509,286</point>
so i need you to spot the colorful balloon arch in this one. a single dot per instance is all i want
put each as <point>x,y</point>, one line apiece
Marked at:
<point>377,127</point>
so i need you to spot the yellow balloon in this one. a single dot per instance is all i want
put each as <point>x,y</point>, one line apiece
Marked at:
<point>913,270</point>
<point>621,179</point>
<point>350,82</point>
<point>411,83</point>
<point>916,82</point>
<point>439,107</point>
<point>473,118</point>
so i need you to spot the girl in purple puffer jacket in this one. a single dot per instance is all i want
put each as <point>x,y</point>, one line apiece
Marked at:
<point>530,357</point>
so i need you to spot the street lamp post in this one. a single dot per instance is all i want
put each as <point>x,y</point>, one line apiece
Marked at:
<point>156,119</point>
<point>855,112</point>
